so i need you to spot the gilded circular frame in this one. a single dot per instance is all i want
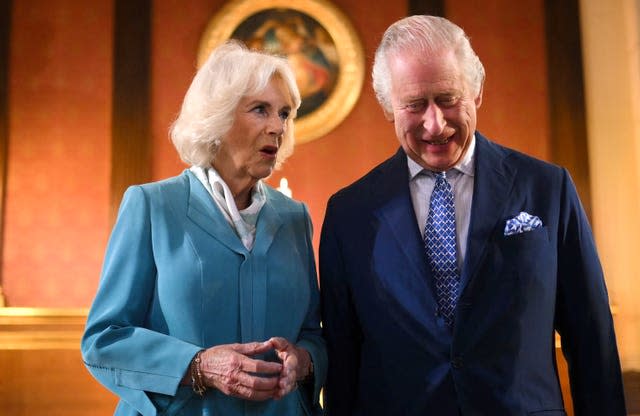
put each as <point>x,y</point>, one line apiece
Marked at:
<point>347,51</point>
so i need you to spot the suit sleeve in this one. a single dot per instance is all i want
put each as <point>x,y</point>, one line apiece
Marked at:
<point>583,316</point>
<point>340,323</point>
<point>311,334</point>
<point>125,357</point>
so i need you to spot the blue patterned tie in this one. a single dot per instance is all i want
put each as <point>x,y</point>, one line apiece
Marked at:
<point>440,243</point>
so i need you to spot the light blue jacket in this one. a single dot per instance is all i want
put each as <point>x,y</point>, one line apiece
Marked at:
<point>177,279</point>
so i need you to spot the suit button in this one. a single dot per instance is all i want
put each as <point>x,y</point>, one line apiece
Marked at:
<point>457,362</point>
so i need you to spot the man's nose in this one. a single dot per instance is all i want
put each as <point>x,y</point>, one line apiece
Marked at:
<point>433,119</point>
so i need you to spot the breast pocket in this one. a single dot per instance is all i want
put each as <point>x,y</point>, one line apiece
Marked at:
<point>520,240</point>
<point>528,259</point>
<point>525,248</point>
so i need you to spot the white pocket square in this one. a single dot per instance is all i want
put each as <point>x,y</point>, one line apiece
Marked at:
<point>521,223</point>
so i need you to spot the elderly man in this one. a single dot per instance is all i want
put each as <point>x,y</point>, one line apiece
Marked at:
<point>446,269</point>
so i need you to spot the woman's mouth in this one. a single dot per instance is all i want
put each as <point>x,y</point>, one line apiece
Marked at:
<point>269,151</point>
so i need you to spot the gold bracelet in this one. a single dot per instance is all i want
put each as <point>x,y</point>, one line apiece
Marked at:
<point>196,375</point>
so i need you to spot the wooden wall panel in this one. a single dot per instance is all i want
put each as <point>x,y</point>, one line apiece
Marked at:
<point>52,383</point>
<point>5,33</point>
<point>431,7</point>
<point>567,110</point>
<point>130,128</point>
<point>41,369</point>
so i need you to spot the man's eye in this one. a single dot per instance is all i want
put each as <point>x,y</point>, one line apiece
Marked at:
<point>448,101</point>
<point>415,106</point>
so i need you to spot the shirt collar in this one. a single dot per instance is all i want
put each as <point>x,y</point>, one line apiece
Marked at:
<point>464,166</point>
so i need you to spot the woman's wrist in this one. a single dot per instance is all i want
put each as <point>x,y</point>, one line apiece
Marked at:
<point>197,380</point>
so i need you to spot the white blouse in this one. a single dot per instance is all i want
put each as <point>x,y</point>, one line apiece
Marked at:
<point>243,221</point>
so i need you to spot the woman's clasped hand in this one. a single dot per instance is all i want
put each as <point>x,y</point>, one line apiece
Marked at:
<point>235,370</point>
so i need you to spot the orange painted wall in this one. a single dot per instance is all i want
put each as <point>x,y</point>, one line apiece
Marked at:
<point>509,38</point>
<point>176,30</point>
<point>58,158</point>
<point>56,223</point>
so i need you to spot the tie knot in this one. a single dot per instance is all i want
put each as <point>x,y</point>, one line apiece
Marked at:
<point>441,180</point>
<point>439,175</point>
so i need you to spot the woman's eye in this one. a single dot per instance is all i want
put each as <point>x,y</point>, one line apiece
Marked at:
<point>259,109</point>
<point>285,114</point>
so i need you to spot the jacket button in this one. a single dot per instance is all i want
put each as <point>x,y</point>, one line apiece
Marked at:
<point>456,362</point>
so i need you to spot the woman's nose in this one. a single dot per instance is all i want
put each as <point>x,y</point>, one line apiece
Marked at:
<point>276,125</point>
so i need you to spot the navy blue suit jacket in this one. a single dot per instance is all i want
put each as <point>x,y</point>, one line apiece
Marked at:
<point>389,352</point>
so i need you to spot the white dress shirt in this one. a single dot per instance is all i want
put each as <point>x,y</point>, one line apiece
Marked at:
<point>461,178</point>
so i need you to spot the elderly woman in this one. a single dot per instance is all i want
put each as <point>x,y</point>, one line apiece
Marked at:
<point>208,299</point>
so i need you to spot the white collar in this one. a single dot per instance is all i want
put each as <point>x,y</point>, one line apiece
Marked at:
<point>465,165</point>
<point>243,221</point>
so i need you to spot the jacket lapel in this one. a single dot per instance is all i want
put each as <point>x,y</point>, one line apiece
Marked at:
<point>204,212</point>
<point>492,187</point>
<point>401,262</point>
<point>269,222</point>
<point>397,213</point>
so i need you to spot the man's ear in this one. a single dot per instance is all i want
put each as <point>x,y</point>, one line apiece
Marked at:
<point>389,116</point>
<point>478,99</point>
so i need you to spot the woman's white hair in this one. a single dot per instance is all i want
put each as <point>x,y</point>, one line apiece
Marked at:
<point>230,73</point>
<point>424,35</point>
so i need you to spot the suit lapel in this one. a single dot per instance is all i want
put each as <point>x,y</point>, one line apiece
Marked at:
<point>398,214</point>
<point>492,187</point>
<point>493,182</point>
<point>400,261</point>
